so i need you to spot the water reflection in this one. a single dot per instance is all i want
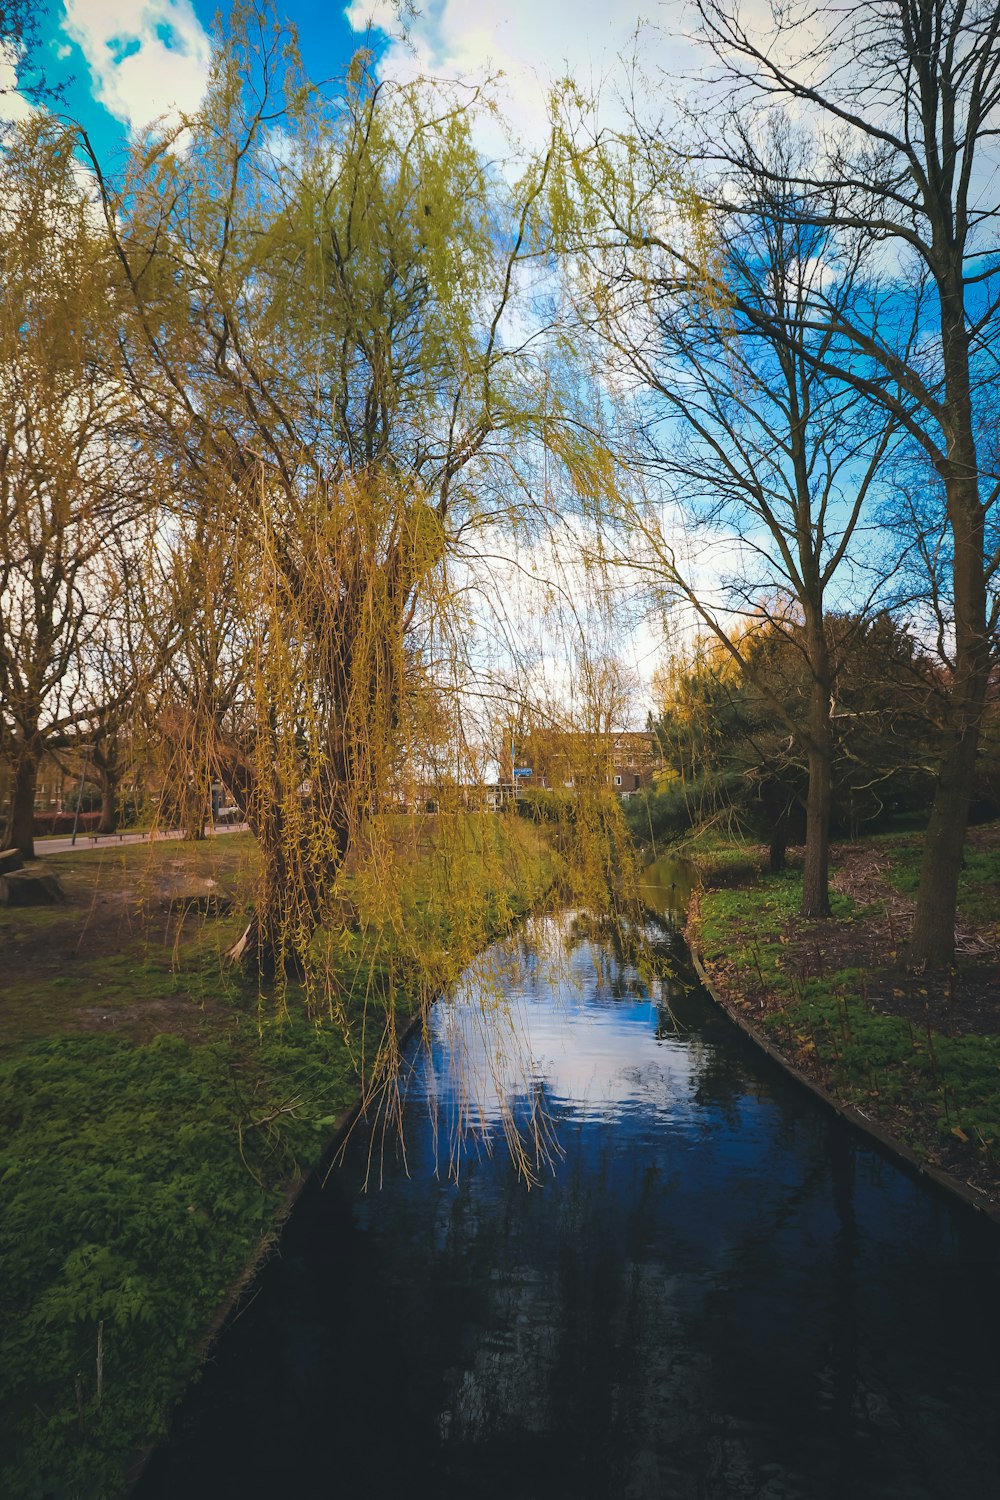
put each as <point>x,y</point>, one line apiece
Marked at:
<point>667,885</point>
<point>713,1291</point>
<point>568,1035</point>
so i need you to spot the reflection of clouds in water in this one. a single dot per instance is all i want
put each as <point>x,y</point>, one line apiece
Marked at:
<point>542,1029</point>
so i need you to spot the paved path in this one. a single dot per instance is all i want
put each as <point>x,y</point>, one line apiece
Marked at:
<point>85,840</point>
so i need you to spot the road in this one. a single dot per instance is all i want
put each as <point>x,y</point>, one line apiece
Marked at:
<point>113,840</point>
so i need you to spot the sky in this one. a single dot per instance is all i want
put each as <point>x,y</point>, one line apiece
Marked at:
<point>126,62</point>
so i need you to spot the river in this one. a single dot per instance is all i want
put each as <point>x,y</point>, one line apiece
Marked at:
<point>713,1288</point>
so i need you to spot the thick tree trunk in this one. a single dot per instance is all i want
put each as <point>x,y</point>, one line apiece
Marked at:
<point>297,875</point>
<point>932,939</point>
<point>194,813</point>
<point>109,804</point>
<point>286,916</point>
<point>21,818</point>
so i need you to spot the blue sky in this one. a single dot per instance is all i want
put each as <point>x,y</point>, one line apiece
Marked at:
<point>126,61</point>
<point>132,60</point>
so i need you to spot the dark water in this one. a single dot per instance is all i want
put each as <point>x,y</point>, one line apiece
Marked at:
<point>716,1291</point>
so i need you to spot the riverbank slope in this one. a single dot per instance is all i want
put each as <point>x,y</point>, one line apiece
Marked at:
<point>155,1107</point>
<point>918,1054</point>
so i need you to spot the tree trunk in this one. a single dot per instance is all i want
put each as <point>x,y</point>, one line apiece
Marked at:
<point>932,939</point>
<point>109,804</point>
<point>774,802</point>
<point>21,818</point>
<point>816,873</point>
<point>286,915</point>
<point>194,811</point>
<point>297,873</point>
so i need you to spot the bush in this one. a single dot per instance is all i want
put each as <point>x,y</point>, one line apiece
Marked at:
<point>48,823</point>
<point>542,805</point>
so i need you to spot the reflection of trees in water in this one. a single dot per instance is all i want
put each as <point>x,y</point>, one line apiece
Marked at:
<point>483,1084</point>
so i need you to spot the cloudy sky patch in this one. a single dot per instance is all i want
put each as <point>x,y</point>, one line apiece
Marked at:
<point>146,60</point>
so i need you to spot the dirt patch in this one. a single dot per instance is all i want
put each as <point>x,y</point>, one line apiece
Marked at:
<point>111,957</point>
<point>868,941</point>
<point>964,1001</point>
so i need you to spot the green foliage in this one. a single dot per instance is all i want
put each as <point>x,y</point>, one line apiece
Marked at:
<point>947,1085</point>
<point>669,811</point>
<point>728,758</point>
<point>135,1182</point>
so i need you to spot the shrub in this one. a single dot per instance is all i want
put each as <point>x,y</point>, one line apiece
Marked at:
<point>48,823</point>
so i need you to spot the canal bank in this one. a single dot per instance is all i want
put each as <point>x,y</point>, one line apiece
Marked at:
<point>156,1116</point>
<point>912,1059</point>
<point>713,1289</point>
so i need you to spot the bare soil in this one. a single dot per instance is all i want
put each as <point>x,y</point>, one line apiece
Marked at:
<point>957,1003</point>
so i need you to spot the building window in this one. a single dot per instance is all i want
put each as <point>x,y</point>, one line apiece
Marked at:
<point>618,781</point>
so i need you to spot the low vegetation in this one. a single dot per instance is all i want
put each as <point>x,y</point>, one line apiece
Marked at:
<point>154,1113</point>
<point>918,1052</point>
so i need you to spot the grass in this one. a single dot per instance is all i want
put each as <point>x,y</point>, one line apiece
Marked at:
<point>153,1112</point>
<point>934,1089</point>
<point>978,885</point>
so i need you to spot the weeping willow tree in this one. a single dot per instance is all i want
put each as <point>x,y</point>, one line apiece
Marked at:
<point>334,336</point>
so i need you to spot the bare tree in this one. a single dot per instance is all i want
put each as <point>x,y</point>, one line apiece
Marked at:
<point>68,478</point>
<point>767,456</point>
<point>904,96</point>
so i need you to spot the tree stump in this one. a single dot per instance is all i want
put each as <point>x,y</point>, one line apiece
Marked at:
<point>31,888</point>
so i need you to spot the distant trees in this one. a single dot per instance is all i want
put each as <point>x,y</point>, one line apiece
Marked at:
<point>727,757</point>
<point>900,100</point>
<point>69,475</point>
<point>906,93</point>
<point>767,457</point>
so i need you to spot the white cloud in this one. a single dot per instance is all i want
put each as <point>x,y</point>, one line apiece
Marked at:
<point>146,60</point>
<point>533,44</point>
<point>13,106</point>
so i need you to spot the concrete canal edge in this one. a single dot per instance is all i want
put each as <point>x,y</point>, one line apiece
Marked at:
<point>232,1303</point>
<point>945,1181</point>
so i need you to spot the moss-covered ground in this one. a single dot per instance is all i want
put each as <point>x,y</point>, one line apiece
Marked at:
<point>154,1109</point>
<point>919,1053</point>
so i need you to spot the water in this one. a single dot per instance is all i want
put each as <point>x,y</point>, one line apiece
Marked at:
<point>715,1289</point>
